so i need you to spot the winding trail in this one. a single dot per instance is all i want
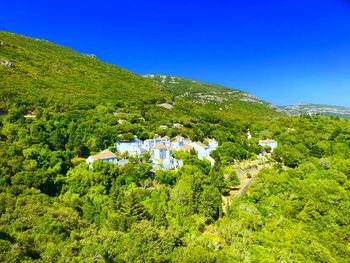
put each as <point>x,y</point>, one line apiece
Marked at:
<point>246,172</point>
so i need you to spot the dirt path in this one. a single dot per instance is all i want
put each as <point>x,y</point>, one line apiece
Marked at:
<point>246,172</point>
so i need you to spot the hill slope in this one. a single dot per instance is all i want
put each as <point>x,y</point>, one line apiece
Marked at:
<point>212,97</point>
<point>36,73</point>
<point>180,85</point>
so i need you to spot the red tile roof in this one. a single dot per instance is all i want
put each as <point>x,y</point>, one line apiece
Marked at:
<point>160,146</point>
<point>187,147</point>
<point>103,155</point>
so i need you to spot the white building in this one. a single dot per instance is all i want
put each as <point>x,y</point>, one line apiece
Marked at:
<point>161,149</point>
<point>177,126</point>
<point>106,156</point>
<point>179,142</point>
<point>148,144</point>
<point>166,140</point>
<point>157,140</point>
<point>160,152</point>
<point>169,163</point>
<point>176,144</point>
<point>133,148</point>
<point>162,158</point>
<point>269,142</point>
<point>201,149</point>
<point>212,143</point>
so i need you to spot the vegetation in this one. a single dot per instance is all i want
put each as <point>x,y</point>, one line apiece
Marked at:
<point>58,78</point>
<point>53,208</point>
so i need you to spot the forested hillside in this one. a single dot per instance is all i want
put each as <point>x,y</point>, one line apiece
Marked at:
<point>202,96</point>
<point>42,74</point>
<point>59,107</point>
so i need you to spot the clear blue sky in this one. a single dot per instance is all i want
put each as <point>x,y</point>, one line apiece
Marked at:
<point>283,51</point>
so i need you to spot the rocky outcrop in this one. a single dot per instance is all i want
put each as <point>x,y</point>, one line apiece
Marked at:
<point>2,44</point>
<point>6,63</point>
<point>166,105</point>
<point>91,56</point>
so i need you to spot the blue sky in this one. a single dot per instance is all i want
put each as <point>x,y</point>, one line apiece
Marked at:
<point>285,52</point>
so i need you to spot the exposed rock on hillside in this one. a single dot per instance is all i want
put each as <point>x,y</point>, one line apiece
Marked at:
<point>5,44</point>
<point>6,63</point>
<point>311,109</point>
<point>91,56</point>
<point>166,105</point>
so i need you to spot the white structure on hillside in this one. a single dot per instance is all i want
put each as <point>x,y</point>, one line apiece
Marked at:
<point>157,140</point>
<point>162,158</point>
<point>161,149</point>
<point>177,126</point>
<point>204,150</point>
<point>201,149</point>
<point>212,143</point>
<point>106,156</point>
<point>178,142</point>
<point>269,142</point>
<point>249,135</point>
<point>133,148</point>
<point>160,152</point>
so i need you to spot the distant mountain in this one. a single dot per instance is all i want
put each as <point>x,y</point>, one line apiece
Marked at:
<point>311,109</point>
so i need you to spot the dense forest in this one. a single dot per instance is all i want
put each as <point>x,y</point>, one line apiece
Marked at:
<point>59,106</point>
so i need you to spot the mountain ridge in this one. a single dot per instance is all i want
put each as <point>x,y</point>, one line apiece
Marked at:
<point>61,79</point>
<point>314,108</point>
<point>214,96</point>
<point>293,109</point>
